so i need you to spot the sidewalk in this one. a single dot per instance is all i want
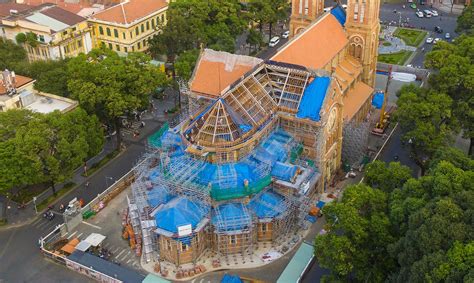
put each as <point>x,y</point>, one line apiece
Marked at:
<point>103,177</point>
<point>396,43</point>
<point>446,8</point>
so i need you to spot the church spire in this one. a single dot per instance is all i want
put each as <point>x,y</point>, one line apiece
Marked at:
<point>363,27</point>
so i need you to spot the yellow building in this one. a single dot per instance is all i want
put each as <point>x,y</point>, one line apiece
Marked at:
<point>128,26</point>
<point>59,33</point>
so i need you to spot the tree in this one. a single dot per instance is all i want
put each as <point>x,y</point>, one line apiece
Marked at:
<point>10,54</point>
<point>39,148</point>
<point>386,178</point>
<point>426,120</point>
<point>441,217</point>
<point>453,156</point>
<point>359,233</point>
<point>455,77</point>
<point>466,21</point>
<point>193,23</point>
<point>268,11</point>
<point>51,76</point>
<point>185,63</point>
<point>111,86</point>
<point>254,38</point>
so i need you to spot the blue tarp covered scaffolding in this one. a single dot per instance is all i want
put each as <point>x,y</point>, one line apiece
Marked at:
<point>230,180</point>
<point>313,98</point>
<point>268,205</point>
<point>339,13</point>
<point>231,218</point>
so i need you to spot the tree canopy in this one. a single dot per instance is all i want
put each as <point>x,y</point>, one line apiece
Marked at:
<point>419,230</point>
<point>426,119</point>
<point>454,75</point>
<point>185,63</point>
<point>112,86</point>
<point>10,54</point>
<point>466,21</point>
<point>45,148</point>
<point>192,23</point>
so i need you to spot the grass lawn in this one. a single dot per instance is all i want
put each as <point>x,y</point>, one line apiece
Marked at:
<point>398,58</point>
<point>411,37</point>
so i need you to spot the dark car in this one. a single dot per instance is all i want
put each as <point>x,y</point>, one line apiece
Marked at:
<point>438,29</point>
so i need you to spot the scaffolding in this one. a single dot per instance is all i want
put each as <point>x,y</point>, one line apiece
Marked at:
<point>233,226</point>
<point>354,146</point>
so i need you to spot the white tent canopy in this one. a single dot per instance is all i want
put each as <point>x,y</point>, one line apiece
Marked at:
<point>83,246</point>
<point>95,239</point>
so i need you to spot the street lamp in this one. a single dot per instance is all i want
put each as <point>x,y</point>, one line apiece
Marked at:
<point>399,19</point>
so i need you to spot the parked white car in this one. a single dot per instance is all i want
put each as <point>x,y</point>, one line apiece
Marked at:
<point>419,14</point>
<point>285,34</point>
<point>434,13</point>
<point>447,35</point>
<point>436,40</point>
<point>427,13</point>
<point>274,41</point>
<point>429,40</point>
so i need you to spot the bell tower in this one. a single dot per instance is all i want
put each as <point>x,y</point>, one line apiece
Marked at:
<point>303,12</point>
<point>363,27</point>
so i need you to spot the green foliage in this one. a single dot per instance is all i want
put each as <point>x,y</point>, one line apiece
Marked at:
<point>111,86</point>
<point>454,156</point>
<point>454,63</point>
<point>185,63</point>
<point>386,178</point>
<point>268,12</point>
<point>426,120</point>
<point>51,76</point>
<point>254,38</point>
<point>443,217</point>
<point>466,21</point>
<point>37,148</point>
<point>10,54</point>
<point>358,237</point>
<point>31,39</point>
<point>192,23</point>
<point>415,230</point>
<point>20,38</point>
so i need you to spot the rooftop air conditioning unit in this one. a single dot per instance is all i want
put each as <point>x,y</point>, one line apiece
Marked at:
<point>13,12</point>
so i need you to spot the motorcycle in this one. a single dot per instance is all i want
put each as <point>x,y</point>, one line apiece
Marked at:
<point>49,215</point>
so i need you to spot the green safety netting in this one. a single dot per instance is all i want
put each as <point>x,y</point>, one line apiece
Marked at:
<point>155,139</point>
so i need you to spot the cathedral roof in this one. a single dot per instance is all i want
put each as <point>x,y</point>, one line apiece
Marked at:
<point>216,70</point>
<point>355,98</point>
<point>316,45</point>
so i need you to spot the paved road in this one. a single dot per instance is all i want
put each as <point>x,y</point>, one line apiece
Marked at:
<point>446,22</point>
<point>19,254</point>
<point>270,51</point>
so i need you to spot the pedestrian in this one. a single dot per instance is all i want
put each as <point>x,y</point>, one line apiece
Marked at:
<point>142,124</point>
<point>87,184</point>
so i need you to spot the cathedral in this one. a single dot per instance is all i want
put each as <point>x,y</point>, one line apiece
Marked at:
<point>263,142</point>
<point>339,45</point>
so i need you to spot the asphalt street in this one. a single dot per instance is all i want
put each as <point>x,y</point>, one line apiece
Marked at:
<point>392,12</point>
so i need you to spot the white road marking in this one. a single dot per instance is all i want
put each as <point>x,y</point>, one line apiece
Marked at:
<point>92,225</point>
<point>124,256</point>
<point>115,250</point>
<point>48,227</point>
<point>78,236</point>
<point>36,221</point>
<point>117,256</point>
<point>70,236</point>
<point>128,261</point>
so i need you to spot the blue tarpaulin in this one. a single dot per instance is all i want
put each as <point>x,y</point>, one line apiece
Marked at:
<point>377,100</point>
<point>268,205</point>
<point>231,279</point>
<point>179,212</point>
<point>231,217</point>
<point>313,98</point>
<point>320,204</point>
<point>283,171</point>
<point>340,14</point>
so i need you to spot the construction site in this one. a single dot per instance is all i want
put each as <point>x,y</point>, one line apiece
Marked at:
<point>236,182</point>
